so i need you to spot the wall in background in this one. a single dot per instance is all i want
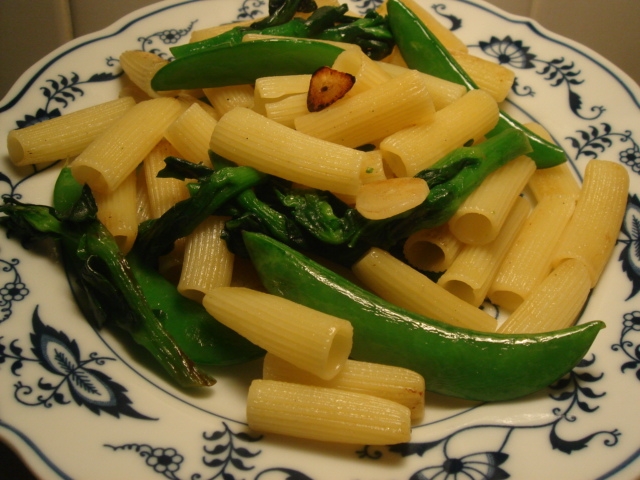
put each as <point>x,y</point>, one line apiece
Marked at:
<point>31,29</point>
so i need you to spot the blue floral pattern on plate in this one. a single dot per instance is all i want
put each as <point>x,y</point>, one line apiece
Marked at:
<point>584,424</point>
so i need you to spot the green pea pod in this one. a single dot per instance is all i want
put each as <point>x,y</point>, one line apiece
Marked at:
<point>454,361</point>
<point>204,340</point>
<point>244,63</point>
<point>424,52</point>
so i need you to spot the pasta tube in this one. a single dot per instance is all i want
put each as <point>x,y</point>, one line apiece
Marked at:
<point>64,137</point>
<point>472,272</point>
<point>401,285</point>
<point>413,149</point>
<point>400,385</point>
<point>432,249</point>
<point>592,231</point>
<point>555,303</point>
<point>481,216</point>
<point>326,414</point>
<point>376,113</point>
<point>311,340</point>
<point>247,138</point>
<point>111,157</point>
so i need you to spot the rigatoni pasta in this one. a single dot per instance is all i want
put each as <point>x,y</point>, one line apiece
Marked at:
<point>472,272</point>
<point>413,149</point>
<point>111,157</point>
<point>117,210</point>
<point>207,262</point>
<point>326,414</point>
<point>190,134</point>
<point>481,216</point>
<point>311,340</point>
<point>373,114</point>
<point>400,284</point>
<point>431,249</point>
<point>592,231</point>
<point>64,137</point>
<point>555,303</point>
<point>397,384</point>
<point>247,138</point>
<point>528,261</point>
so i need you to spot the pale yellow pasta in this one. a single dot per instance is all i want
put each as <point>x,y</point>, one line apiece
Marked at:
<point>143,205</point>
<point>442,92</point>
<point>224,99</point>
<point>311,340</point>
<point>163,192</point>
<point>326,414</point>
<point>111,157</point>
<point>207,263</point>
<point>398,283</point>
<point>558,180</point>
<point>286,110</point>
<point>555,303</point>
<point>280,86</point>
<point>431,249</point>
<point>479,218</point>
<point>472,272</point>
<point>593,229</point>
<point>528,261</point>
<point>415,148</point>
<point>140,67</point>
<point>187,99</point>
<point>395,58</point>
<point>117,210</point>
<point>66,136</point>
<point>373,167</point>
<point>378,112</point>
<point>489,76</point>
<point>190,134</point>
<point>400,385</point>
<point>367,72</point>
<point>389,197</point>
<point>247,138</point>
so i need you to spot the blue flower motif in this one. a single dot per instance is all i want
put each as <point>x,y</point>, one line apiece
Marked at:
<point>476,466</point>
<point>13,292</point>
<point>165,460</point>
<point>170,36</point>
<point>508,52</point>
<point>631,321</point>
<point>631,157</point>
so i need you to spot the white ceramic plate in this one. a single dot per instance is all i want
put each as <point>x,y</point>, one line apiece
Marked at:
<point>89,406</point>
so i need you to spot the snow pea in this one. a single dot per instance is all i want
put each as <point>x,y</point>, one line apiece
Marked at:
<point>422,51</point>
<point>243,63</point>
<point>454,361</point>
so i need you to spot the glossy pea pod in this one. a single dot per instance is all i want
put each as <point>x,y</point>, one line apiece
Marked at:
<point>203,339</point>
<point>422,51</point>
<point>243,63</point>
<point>454,361</point>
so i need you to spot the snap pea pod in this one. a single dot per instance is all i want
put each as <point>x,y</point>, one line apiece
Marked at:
<point>454,361</point>
<point>320,20</point>
<point>244,63</point>
<point>422,51</point>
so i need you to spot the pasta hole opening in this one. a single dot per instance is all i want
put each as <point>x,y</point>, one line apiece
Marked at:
<point>15,148</point>
<point>338,352</point>
<point>506,299</point>
<point>395,163</point>
<point>91,177</point>
<point>461,290</point>
<point>473,228</point>
<point>426,256</point>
